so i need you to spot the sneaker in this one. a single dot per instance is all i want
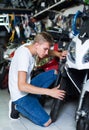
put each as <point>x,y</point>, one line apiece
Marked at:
<point>13,113</point>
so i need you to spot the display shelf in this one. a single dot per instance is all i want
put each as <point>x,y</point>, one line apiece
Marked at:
<point>15,10</point>
<point>43,11</point>
<point>57,6</point>
<point>62,4</point>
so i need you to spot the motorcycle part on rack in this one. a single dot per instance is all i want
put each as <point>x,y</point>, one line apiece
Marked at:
<point>21,3</point>
<point>59,34</point>
<point>83,121</point>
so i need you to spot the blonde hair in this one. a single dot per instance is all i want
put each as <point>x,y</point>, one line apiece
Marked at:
<point>44,37</point>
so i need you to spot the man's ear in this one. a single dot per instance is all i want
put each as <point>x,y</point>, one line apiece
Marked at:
<point>37,44</point>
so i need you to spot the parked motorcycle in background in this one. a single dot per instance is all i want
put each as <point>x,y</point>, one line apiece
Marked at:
<point>3,70</point>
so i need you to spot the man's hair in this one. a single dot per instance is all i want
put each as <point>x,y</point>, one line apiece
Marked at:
<point>44,37</point>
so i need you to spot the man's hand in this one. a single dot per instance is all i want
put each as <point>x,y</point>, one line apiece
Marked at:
<point>63,54</point>
<point>58,54</point>
<point>57,93</point>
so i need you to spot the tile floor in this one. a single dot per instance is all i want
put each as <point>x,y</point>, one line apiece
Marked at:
<point>65,121</point>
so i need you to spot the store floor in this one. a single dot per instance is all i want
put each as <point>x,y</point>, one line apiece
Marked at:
<point>65,121</point>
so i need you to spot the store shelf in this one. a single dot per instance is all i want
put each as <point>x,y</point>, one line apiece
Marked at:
<point>43,11</point>
<point>62,4</point>
<point>15,10</point>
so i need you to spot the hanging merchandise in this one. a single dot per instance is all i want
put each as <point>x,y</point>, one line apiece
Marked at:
<point>21,3</point>
<point>43,6</point>
<point>25,24</point>
<point>15,29</point>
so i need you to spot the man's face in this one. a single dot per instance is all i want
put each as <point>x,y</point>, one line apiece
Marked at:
<point>42,49</point>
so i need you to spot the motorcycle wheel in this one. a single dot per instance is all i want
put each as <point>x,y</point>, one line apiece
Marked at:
<point>55,109</point>
<point>57,103</point>
<point>83,122</point>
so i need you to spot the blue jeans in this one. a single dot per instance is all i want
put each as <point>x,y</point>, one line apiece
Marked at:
<point>29,105</point>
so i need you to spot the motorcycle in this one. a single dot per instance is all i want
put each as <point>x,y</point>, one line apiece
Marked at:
<point>78,60</point>
<point>6,55</point>
<point>75,77</point>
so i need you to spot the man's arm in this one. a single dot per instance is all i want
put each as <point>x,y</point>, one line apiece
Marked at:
<point>25,87</point>
<point>58,54</point>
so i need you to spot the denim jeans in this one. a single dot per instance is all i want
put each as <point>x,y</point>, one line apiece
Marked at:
<point>29,105</point>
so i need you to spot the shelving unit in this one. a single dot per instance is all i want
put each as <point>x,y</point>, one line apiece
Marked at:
<point>57,6</point>
<point>62,4</point>
<point>49,8</point>
<point>16,11</point>
<point>4,21</point>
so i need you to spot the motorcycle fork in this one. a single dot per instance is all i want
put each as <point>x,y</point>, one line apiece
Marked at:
<point>79,111</point>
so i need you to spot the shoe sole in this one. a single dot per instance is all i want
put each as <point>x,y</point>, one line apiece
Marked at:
<point>10,112</point>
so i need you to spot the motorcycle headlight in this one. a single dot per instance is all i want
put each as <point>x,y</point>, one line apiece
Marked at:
<point>86,57</point>
<point>71,51</point>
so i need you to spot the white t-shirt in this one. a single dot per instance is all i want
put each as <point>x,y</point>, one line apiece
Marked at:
<point>22,61</point>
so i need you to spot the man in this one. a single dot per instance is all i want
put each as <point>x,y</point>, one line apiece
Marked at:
<point>26,93</point>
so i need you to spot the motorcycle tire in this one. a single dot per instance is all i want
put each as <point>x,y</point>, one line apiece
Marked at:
<point>83,122</point>
<point>57,103</point>
<point>55,109</point>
